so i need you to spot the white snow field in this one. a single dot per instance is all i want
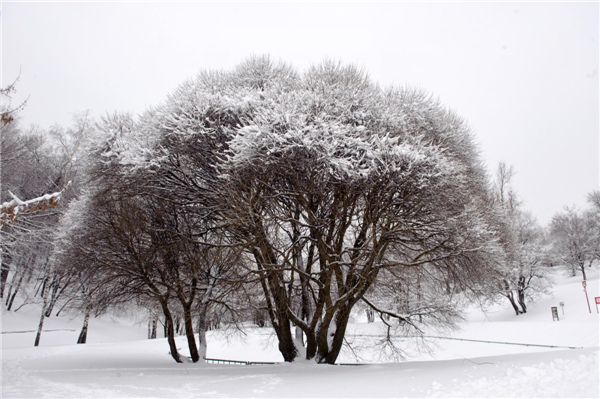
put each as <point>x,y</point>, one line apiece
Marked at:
<point>119,362</point>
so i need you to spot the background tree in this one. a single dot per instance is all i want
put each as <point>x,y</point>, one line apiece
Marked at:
<point>425,299</point>
<point>37,166</point>
<point>523,272</point>
<point>576,238</point>
<point>136,239</point>
<point>9,113</point>
<point>592,216</point>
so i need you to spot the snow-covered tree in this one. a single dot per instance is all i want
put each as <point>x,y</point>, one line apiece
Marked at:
<point>576,237</point>
<point>140,241</point>
<point>523,272</point>
<point>39,172</point>
<point>325,180</point>
<point>528,276</point>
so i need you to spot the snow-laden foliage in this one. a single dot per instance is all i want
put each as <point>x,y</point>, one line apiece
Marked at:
<point>343,153</point>
<point>325,179</point>
<point>71,222</point>
<point>121,139</point>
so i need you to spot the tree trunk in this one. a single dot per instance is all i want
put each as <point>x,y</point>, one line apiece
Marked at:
<point>330,340</point>
<point>152,324</point>
<point>370,315</point>
<point>83,335</point>
<point>286,341</point>
<point>202,344</point>
<point>56,293</point>
<point>522,285</point>
<point>154,327</point>
<point>582,267</point>
<point>521,300</point>
<point>202,321</point>
<point>63,306</point>
<point>282,325</point>
<point>12,285</point>
<point>511,298</point>
<point>39,332</point>
<point>14,294</point>
<point>311,345</point>
<point>299,336</point>
<point>5,259</point>
<point>178,325</point>
<point>277,302</point>
<point>340,332</point>
<point>53,299</point>
<point>281,322</point>
<point>189,333</point>
<point>170,332</point>
<point>165,328</point>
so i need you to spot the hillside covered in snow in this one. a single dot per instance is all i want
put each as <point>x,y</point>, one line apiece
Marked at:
<point>524,356</point>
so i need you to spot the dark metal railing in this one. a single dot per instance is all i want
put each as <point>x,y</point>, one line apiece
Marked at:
<point>249,363</point>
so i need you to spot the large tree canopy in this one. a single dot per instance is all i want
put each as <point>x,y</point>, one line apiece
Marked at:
<point>325,179</point>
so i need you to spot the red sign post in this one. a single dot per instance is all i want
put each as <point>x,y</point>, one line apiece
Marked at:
<point>586,295</point>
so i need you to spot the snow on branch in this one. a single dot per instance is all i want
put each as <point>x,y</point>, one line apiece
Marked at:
<point>11,209</point>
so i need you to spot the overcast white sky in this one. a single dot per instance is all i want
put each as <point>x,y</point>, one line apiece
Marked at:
<point>525,75</point>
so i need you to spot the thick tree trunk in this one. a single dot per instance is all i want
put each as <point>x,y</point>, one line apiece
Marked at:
<point>189,333</point>
<point>511,299</point>
<point>311,345</point>
<point>277,301</point>
<point>83,335</point>
<point>341,322</point>
<point>330,336</point>
<point>282,325</point>
<point>170,332</point>
<point>287,346</point>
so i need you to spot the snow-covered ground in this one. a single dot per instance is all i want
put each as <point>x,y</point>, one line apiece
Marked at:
<point>119,362</point>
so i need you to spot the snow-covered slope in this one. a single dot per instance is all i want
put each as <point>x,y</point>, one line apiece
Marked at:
<point>119,362</point>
